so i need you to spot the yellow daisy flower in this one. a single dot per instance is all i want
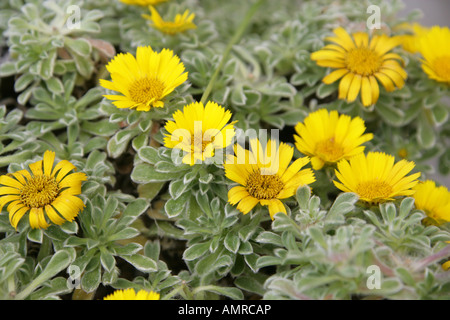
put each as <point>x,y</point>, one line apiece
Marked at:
<point>375,178</point>
<point>328,137</point>
<point>143,2</point>
<point>199,131</point>
<point>143,81</point>
<point>409,41</point>
<point>46,191</point>
<point>131,294</point>
<point>265,176</point>
<point>434,201</point>
<point>180,24</point>
<point>434,46</point>
<point>361,63</point>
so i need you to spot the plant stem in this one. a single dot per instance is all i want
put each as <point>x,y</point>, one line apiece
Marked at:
<point>238,34</point>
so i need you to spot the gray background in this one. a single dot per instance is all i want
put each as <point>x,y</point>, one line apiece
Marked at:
<point>434,11</point>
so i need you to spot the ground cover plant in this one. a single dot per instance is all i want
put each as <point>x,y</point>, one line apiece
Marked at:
<point>195,149</point>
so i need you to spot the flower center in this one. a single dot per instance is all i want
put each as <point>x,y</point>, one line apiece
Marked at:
<point>146,90</point>
<point>264,186</point>
<point>329,150</point>
<point>363,61</point>
<point>195,145</point>
<point>374,190</point>
<point>39,191</point>
<point>441,66</point>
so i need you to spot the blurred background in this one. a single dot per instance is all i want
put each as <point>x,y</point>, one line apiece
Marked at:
<point>435,12</point>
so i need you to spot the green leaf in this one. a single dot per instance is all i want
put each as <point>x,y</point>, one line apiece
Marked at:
<point>176,188</point>
<point>92,277</point>
<point>55,85</point>
<point>175,207</point>
<point>107,260</point>
<point>425,133</point>
<point>303,194</point>
<point>232,242</point>
<point>58,262</point>
<point>149,190</point>
<point>439,114</point>
<point>140,262</point>
<point>196,251</point>
<point>133,210</point>
<point>7,69</point>
<point>250,284</point>
<point>80,46</point>
<point>230,292</point>
<point>145,173</point>
<point>149,154</point>
<point>317,235</point>
<point>125,233</point>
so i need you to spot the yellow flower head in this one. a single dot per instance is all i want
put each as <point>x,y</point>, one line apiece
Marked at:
<point>361,63</point>
<point>434,46</point>
<point>130,294</point>
<point>199,131</point>
<point>265,176</point>
<point>143,2</point>
<point>409,41</point>
<point>328,137</point>
<point>433,200</point>
<point>46,191</point>
<point>144,81</point>
<point>375,178</point>
<point>180,24</point>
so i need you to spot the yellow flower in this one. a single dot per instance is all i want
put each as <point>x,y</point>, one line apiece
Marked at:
<point>328,137</point>
<point>46,191</point>
<point>265,176</point>
<point>130,294</point>
<point>361,63</point>
<point>143,2</point>
<point>199,130</point>
<point>434,46</point>
<point>446,266</point>
<point>145,80</point>
<point>375,178</point>
<point>409,41</point>
<point>180,24</point>
<point>433,200</point>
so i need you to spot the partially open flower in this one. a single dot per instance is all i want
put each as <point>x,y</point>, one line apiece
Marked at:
<point>434,201</point>
<point>181,23</point>
<point>328,137</point>
<point>375,178</point>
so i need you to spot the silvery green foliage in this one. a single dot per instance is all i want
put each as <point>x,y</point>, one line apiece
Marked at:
<point>329,255</point>
<point>44,44</point>
<point>323,248</point>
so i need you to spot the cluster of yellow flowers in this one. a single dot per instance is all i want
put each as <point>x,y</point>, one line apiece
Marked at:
<point>264,174</point>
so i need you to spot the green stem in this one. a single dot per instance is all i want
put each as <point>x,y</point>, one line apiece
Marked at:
<point>233,41</point>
